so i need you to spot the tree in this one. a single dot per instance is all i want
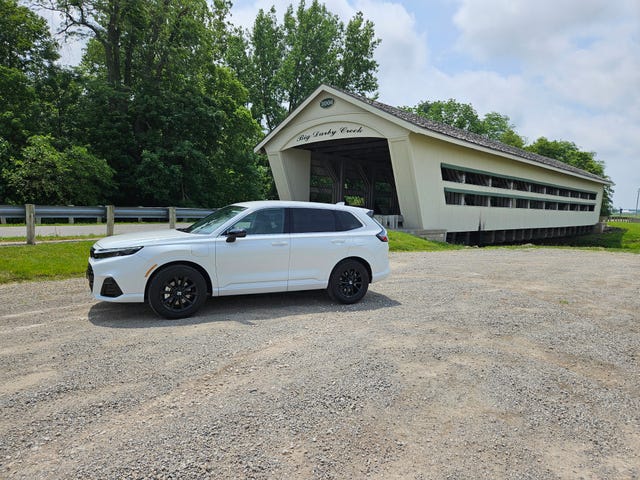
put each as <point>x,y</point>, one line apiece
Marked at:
<point>159,106</point>
<point>452,113</point>
<point>32,94</point>
<point>287,62</point>
<point>27,53</point>
<point>463,116</point>
<point>357,69</point>
<point>312,36</point>
<point>499,127</point>
<point>257,60</point>
<point>25,42</point>
<point>44,174</point>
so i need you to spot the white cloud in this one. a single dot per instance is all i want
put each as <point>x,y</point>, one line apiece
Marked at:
<point>403,53</point>
<point>585,51</point>
<point>523,29</point>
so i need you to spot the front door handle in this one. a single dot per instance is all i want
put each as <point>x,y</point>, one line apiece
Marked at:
<point>279,244</point>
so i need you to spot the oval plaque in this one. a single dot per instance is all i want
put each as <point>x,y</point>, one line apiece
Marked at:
<point>326,102</point>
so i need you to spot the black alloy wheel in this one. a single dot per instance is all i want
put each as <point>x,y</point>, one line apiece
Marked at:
<point>177,292</point>
<point>349,282</point>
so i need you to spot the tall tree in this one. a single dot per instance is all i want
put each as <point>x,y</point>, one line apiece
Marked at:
<point>159,105</point>
<point>35,94</point>
<point>499,127</point>
<point>27,53</point>
<point>357,67</point>
<point>463,116</point>
<point>451,112</point>
<point>25,42</point>
<point>44,174</point>
<point>312,36</point>
<point>288,61</point>
<point>257,59</point>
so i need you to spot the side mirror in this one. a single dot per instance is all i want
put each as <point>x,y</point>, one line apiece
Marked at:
<point>235,233</point>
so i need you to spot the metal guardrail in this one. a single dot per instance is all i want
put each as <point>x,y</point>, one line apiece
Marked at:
<point>33,214</point>
<point>624,219</point>
<point>100,212</point>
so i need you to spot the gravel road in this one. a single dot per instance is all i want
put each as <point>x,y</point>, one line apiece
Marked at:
<point>470,364</point>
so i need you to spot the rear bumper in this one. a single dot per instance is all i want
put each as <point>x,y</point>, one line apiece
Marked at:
<point>381,275</point>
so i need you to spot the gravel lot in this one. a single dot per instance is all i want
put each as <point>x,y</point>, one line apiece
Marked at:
<point>470,364</point>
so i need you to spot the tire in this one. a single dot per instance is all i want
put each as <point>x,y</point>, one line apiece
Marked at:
<point>349,282</point>
<point>177,292</point>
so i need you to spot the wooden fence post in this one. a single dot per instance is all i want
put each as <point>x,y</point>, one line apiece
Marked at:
<point>172,217</point>
<point>30,219</point>
<point>111,219</point>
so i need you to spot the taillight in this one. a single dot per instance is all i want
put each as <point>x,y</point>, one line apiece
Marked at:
<point>382,236</point>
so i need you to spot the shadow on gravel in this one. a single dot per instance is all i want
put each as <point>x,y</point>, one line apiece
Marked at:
<point>243,309</point>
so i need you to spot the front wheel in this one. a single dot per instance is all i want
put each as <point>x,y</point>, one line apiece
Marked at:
<point>348,282</point>
<point>177,292</point>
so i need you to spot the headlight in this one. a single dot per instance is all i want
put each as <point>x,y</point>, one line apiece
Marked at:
<point>114,252</point>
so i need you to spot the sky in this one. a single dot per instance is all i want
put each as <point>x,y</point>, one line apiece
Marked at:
<point>562,69</point>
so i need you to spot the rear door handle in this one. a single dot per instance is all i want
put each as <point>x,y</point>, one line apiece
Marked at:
<point>338,241</point>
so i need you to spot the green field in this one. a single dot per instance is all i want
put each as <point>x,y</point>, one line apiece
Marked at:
<point>404,242</point>
<point>621,236</point>
<point>49,261</point>
<point>44,261</point>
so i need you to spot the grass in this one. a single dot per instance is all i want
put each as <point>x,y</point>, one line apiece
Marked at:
<point>51,261</point>
<point>45,261</point>
<point>621,237</point>
<point>404,242</point>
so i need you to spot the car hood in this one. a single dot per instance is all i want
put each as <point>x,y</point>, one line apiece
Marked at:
<point>143,239</point>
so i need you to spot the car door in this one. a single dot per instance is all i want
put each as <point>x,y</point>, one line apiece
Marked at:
<point>258,262</point>
<point>316,247</point>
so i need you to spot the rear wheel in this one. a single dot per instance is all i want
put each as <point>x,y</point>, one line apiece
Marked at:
<point>348,282</point>
<point>177,292</point>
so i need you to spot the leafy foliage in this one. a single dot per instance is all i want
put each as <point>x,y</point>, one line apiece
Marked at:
<point>463,116</point>
<point>46,175</point>
<point>152,98</point>
<point>282,64</point>
<point>25,42</point>
<point>33,102</point>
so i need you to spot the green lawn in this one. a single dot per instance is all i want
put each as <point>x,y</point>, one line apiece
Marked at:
<point>48,261</point>
<point>404,242</point>
<point>44,261</point>
<point>621,237</point>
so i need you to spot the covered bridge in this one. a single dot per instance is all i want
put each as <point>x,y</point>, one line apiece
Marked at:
<point>429,178</point>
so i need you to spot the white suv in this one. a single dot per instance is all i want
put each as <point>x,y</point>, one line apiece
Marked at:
<point>252,247</point>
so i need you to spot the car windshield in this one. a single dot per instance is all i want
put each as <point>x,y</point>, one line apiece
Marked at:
<point>213,221</point>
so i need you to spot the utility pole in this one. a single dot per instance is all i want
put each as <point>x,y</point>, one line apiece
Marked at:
<point>637,197</point>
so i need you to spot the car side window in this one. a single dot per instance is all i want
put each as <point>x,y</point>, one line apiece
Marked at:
<point>308,220</point>
<point>268,221</point>
<point>346,221</point>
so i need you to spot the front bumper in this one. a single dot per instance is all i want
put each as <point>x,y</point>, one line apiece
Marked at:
<point>116,280</point>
